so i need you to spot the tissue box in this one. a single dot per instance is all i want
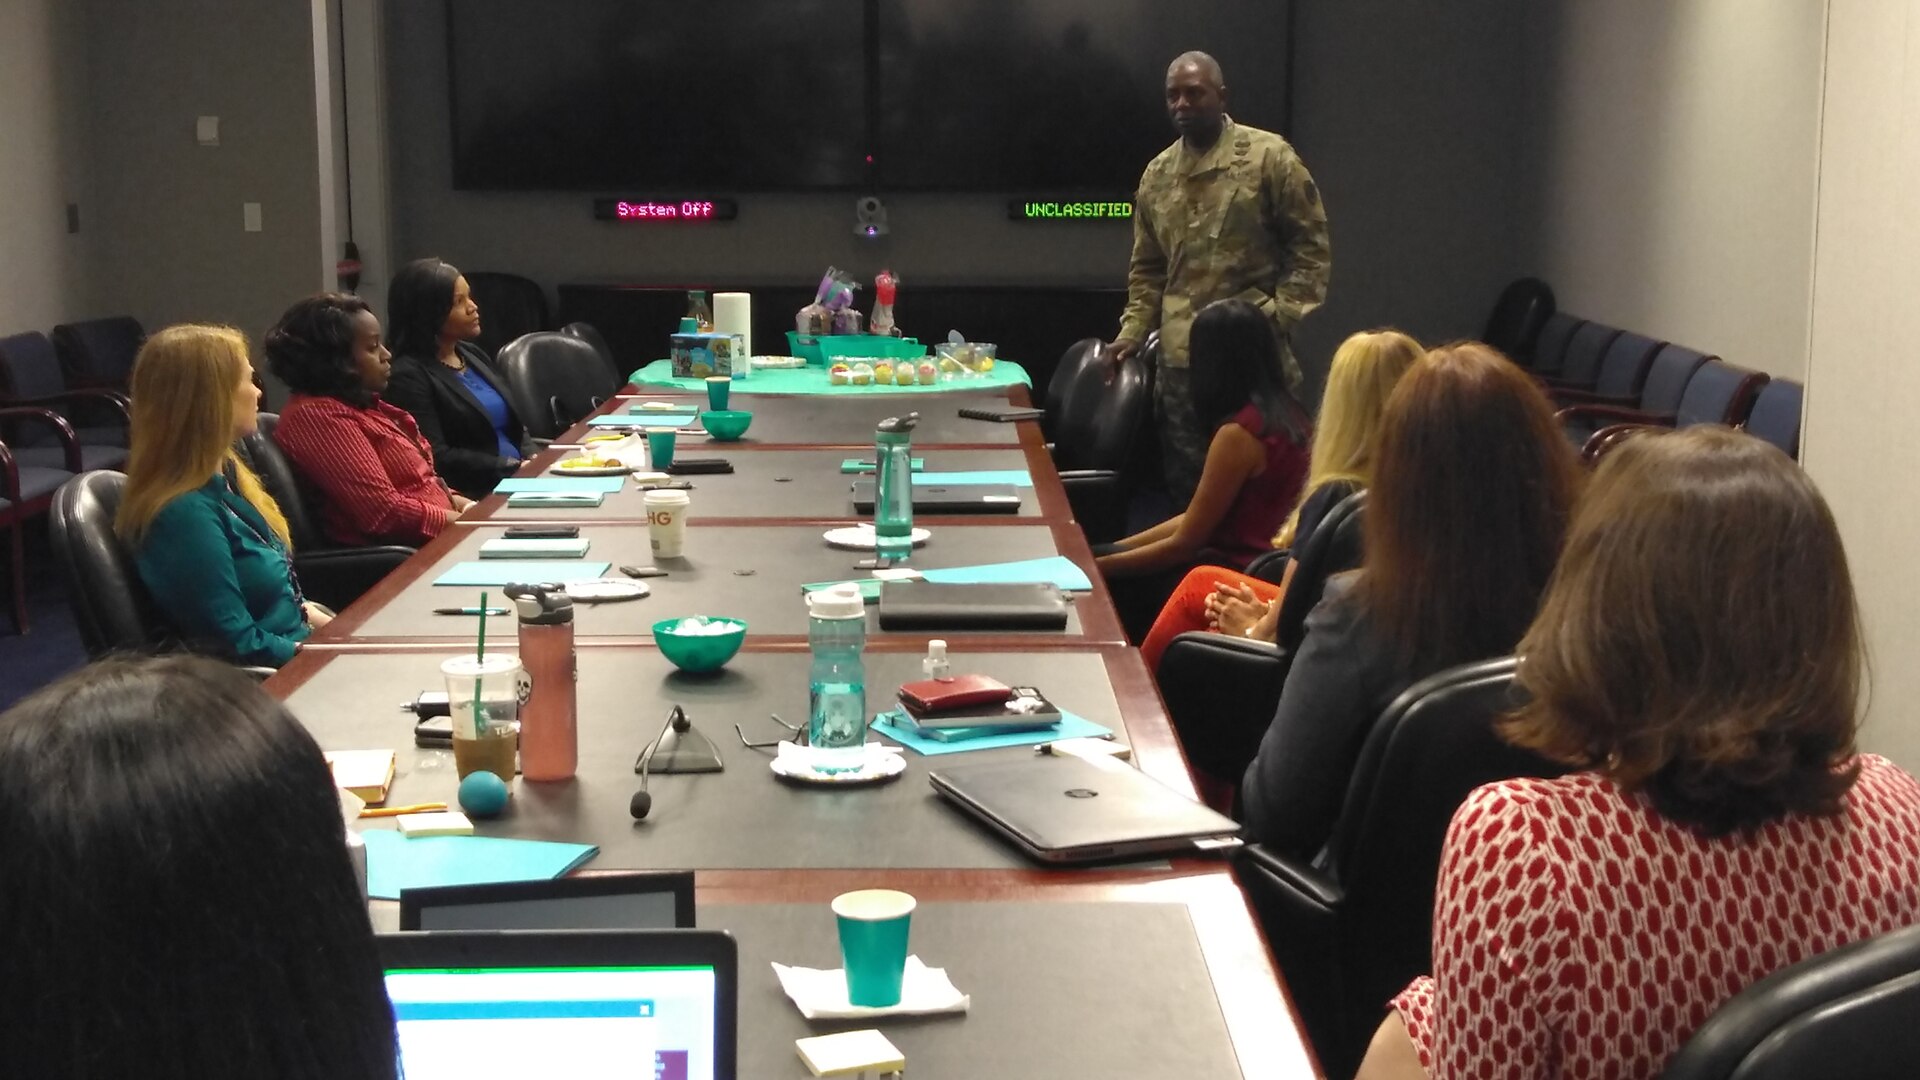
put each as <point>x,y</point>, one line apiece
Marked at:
<point>696,356</point>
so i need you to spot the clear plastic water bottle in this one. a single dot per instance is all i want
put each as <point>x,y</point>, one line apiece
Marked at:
<point>893,488</point>
<point>837,684</point>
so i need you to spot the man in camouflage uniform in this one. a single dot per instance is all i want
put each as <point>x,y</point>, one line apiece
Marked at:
<point>1227,211</point>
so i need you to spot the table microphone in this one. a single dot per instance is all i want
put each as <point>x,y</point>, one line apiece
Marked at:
<point>642,802</point>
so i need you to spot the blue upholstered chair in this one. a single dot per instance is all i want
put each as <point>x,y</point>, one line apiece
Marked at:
<point>30,375</point>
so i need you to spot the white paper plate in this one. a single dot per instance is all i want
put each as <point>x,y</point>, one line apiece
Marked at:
<point>881,768</point>
<point>860,537</point>
<point>606,590</point>
<point>560,469</point>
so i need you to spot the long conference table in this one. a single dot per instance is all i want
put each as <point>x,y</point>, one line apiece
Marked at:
<point>1146,969</point>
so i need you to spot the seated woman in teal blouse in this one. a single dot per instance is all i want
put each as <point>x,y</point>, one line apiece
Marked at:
<point>210,543</point>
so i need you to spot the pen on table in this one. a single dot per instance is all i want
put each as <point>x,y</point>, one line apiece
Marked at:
<point>469,611</point>
<point>396,811</point>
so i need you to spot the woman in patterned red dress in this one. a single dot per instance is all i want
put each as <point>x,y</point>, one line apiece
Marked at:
<point>1698,654</point>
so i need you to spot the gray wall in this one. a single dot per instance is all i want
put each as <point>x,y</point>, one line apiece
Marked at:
<point>166,217</point>
<point>43,67</point>
<point>1413,157</point>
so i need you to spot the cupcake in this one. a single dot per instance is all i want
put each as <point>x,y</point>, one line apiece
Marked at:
<point>839,375</point>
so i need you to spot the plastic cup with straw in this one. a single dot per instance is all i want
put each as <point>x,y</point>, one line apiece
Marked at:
<point>479,661</point>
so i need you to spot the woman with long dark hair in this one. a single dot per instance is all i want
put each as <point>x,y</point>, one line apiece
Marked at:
<point>1473,484</point>
<point>177,900</point>
<point>446,383</point>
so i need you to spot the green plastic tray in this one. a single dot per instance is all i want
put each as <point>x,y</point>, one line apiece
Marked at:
<point>865,346</point>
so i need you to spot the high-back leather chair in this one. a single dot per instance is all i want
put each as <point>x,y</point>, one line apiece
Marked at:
<point>1065,374</point>
<point>1517,317</point>
<point>114,611</point>
<point>99,352</point>
<point>590,334</point>
<point>329,573</point>
<point>1775,415</point>
<point>510,306</point>
<point>555,380</point>
<point>1845,1013</point>
<point>1550,347</point>
<point>1098,442</point>
<point>1221,691</point>
<point>1353,924</point>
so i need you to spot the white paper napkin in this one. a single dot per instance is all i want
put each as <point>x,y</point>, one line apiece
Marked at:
<point>875,761</point>
<point>822,995</point>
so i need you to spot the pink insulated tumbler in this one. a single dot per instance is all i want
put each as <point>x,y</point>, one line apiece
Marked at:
<point>549,724</point>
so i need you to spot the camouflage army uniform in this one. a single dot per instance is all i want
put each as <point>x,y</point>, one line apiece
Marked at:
<point>1241,220</point>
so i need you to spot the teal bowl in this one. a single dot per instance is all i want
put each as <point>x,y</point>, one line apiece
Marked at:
<point>726,424</point>
<point>699,652</point>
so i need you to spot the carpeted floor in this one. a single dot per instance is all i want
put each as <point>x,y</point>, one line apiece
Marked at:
<point>51,647</point>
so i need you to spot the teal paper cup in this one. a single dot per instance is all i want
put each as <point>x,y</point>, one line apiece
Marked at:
<point>660,447</point>
<point>719,389</point>
<point>873,943</point>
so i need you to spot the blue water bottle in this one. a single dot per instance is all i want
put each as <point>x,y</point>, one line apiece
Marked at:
<point>893,488</point>
<point>837,683</point>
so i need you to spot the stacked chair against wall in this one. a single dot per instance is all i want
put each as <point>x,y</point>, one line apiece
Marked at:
<point>99,352</point>
<point>30,375</point>
<point>1221,691</point>
<point>1353,924</point>
<point>1580,364</point>
<point>1668,373</point>
<point>1717,393</point>
<point>1517,317</point>
<point>1549,354</point>
<point>1622,372</point>
<point>555,380</point>
<point>510,306</point>
<point>1848,1012</point>
<point>329,574</point>
<point>1101,442</point>
<point>590,334</point>
<point>27,491</point>
<point>1775,416</point>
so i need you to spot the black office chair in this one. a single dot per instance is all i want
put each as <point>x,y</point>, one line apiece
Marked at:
<point>329,573</point>
<point>1099,441</point>
<point>1352,925</point>
<point>588,333</point>
<point>1550,346</point>
<point>1221,691</point>
<point>1775,415</point>
<point>98,353</point>
<point>1848,1012</point>
<point>510,306</point>
<point>30,375</point>
<point>1668,374</point>
<point>1517,317</point>
<point>114,611</point>
<point>1078,355</point>
<point>555,380</point>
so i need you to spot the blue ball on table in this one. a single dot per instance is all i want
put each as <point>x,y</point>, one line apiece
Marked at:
<point>482,794</point>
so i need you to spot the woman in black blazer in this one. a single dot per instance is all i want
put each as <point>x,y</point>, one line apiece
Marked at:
<point>455,396</point>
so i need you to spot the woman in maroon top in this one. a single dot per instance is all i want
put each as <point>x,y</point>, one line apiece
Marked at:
<point>364,458</point>
<point>1698,657</point>
<point>1251,481</point>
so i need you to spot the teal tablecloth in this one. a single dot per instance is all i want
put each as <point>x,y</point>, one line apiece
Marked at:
<point>813,380</point>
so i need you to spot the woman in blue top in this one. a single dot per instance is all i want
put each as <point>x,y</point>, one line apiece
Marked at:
<point>210,543</point>
<point>447,383</point>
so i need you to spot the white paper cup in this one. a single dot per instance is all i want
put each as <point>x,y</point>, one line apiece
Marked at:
<point>667,522</point>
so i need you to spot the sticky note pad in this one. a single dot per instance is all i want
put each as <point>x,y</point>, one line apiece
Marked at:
<point>850,1053</point>
<point>443,823</point>
<point>507,571</point>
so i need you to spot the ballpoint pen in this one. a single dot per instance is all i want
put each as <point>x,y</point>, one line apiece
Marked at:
<point>469,611</point>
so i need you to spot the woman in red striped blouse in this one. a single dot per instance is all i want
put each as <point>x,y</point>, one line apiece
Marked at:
<point>365,458</point>
<point>1698,655</point>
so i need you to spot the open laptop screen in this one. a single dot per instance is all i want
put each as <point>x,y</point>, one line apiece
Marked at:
<point>470,1016</point>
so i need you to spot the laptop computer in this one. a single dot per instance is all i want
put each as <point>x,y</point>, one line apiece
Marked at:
<point>947,498</point>
<point>1063,809</point>
<point>582,1004</point>
<point>623,901</point>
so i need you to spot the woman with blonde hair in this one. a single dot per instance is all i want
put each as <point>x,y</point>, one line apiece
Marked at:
<point>210,543</point>
<point>1365,370</point>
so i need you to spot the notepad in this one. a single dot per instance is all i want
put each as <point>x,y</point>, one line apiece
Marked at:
<point>507,571</point>
<point>1016,477</point>
<point>366,773</point>
<point>672,420</point>
<point>855,465</point>
<point>602,485</point>
<point>396,862</point>
<point>552,500</point>
<point>1069,727</point>
<point>559,547</point>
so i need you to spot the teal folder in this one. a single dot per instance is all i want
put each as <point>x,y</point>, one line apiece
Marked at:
<point>1069,727</point>
<point>552,500</point>
<point>506,571</point>
<point>639,420</point>
<point>1015,477</point>
<point>561,485</point>
<point>395,862</point>
<point>1056,570</point>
